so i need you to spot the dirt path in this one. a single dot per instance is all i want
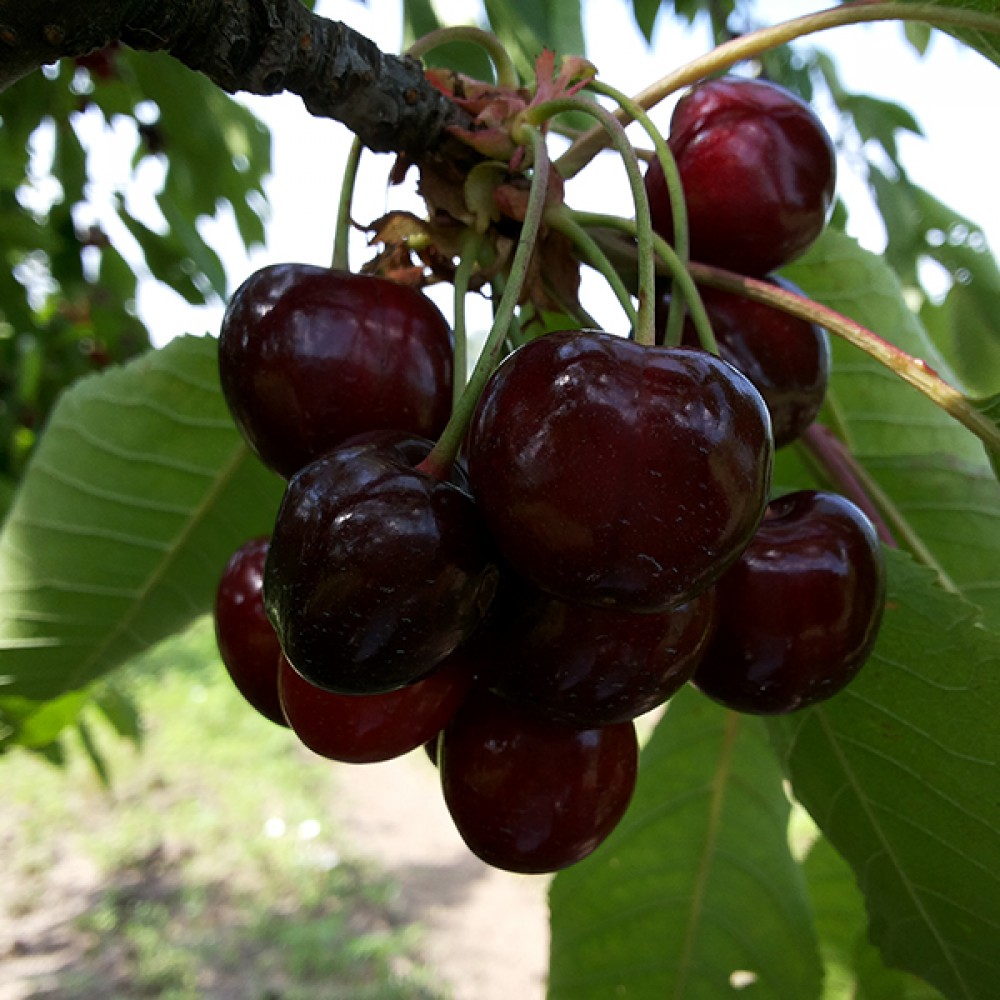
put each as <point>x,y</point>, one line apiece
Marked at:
<point>485,931</point>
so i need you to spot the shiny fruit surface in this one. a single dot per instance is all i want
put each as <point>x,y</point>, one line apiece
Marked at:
<point>800,611</point>
<point>591,666</point>
<point>366,728</point>
<point>758,171</point>
<point>376,571</point>
<point>786,358</point>
<point>615,474</point>
<point>531,795</point>
<point>248,645</point>
<point>310,356</point>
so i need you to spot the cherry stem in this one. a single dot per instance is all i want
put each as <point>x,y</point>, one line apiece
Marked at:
<point>467,262</point>
<point>755,43</point>
<point>503,66</point>
<point>675,194</point>
<point>836,463</point>
<point>342,232</point>
<point>834,460</point>
<point>442,456</point>
<point>645,328</point>
<point>679,274</point>
<point>562,220</point>
<point>912,370</point>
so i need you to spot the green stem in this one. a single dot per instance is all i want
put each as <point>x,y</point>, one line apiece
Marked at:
<point>342,232</point>
<point>463,275</point>
<point>562,220</point>
<point>755,43</point>
<point>506,73</point>
<point>675,194</point>
<point>645,329</point>
<point>679,274</point>
<point>442,456</point>
<point>912,370</point>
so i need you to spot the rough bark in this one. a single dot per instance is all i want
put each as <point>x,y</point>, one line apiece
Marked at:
<point>257,46</point>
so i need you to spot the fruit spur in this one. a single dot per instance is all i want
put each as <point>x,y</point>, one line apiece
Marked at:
<point>517,565</point>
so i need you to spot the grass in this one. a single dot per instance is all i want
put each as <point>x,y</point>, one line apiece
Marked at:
<point>210,868</point>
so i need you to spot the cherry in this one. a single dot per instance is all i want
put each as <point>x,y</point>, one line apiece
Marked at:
<point>376,571</point>
<point>363,729</point>
<point>619,475</point>
<point>786,358</point>
<point>309,357</point>
<point>800,611</point>
<point>248,645</point>
<point>528,794</point>
<point>591,666</point>
<point>758,171</point>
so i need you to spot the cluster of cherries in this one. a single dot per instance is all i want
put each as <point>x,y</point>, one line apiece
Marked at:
<point>606,536</point>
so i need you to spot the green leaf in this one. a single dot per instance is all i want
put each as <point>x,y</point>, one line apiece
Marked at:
<point>854,968</point>
<point>985,41</point>
<point>697,883</point>
<point>419,19</point>
<point>936,475</point>
<point>526,27</point>
<point>900,772</point>
<point>139,492</point>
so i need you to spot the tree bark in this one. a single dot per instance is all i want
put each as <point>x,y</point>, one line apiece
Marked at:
<point>256,46</point>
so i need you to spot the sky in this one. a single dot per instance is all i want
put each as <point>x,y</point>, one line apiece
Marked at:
<point>949,91</point>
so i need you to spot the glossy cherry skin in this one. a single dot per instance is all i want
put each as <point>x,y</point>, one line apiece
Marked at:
<point>309,357</point>
<point>528,794</point>
<point>786,358</point>
<point>248,645</point>
<point>376,571</point>
<point>619,475</point>
<point>758,171</point>
<point>591,666</point>
<point>800,611</point>
<point>366,728</point>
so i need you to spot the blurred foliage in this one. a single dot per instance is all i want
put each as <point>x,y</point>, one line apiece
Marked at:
<point>74,243</point>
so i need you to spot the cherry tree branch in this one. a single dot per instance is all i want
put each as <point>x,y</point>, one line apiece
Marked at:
<point>255,46</point>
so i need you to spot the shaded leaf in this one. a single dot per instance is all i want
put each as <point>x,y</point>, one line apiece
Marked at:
<point>138,494</point>
<point>901,770</point>
<point>697,884</point>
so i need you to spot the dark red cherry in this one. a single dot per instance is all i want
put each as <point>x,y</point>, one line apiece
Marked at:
<point>758,171</point>
<point>528,794</point>
<point>309,357</point>
<point>376,571</point>
<point>365,728</point>
<point>592,666</point>
<point>248,645</point>
<point>786,358</point>
<point>620,475</point>
<point>800,611</point>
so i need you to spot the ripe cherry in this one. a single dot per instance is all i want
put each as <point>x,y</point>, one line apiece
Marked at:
<point>248,645</point>
<point>619,475</point>
<point>365,728</point>
<point>800,611</point>
<point>309,357</point>
<point>376,571</point>
<point>528,794</point>
<point>591,666</point>
<point>786,358</point>
<point>758,171</point>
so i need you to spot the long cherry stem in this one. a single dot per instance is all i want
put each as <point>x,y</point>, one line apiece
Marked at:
<point>442,456</point>
<point>505,71</point>
<point>342,232</point>
<point>755,43</point>
<point>912,370</point>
